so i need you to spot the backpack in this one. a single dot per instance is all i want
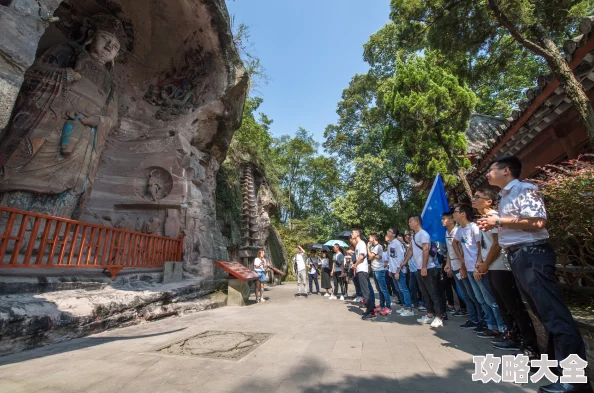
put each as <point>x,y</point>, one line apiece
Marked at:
<point>432,248</point>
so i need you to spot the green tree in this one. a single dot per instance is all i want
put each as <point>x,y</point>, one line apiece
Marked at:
<point>294,155</point>
<point>430,109</point>
<point>498,88</point>
<point>488,33</point>
<point>359,133</point>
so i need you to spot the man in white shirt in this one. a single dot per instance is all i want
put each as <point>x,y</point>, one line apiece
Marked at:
<point>375,251</point>
<point>299,265</point>
<point>428,272</point>
<point>312,271</point>
<point>522,223</point>
<point>453,267</point>
<point>470,239</point>
<point>504,285</point>
<point>361,267</point>
<point>467,244</point>
<point>396,254</point>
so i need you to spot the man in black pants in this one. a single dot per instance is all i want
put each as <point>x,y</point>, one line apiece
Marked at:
<point>428,272</point>
<point>361,267</point>
<point>522,233</point>
<point>521,332</point>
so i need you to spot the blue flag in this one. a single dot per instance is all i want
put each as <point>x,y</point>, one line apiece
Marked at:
<point>436,205</point>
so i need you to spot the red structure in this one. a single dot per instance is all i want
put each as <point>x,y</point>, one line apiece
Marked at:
<point>31,240</point>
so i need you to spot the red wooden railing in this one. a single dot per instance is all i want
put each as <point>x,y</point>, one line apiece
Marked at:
<point>31,240</point>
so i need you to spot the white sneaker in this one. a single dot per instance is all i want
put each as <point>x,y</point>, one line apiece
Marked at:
<point>326,295</point>
<point>341,297</point>
<point>407,313</point>
<point>425,319</point>
<point>401,310</point>
<point>437,322</point>
<point>332,297</point>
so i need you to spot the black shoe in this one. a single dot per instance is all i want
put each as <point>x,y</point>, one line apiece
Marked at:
<point>558,387</point>
<point>507,345</point>
<point>460,313</point>
<point>479,329</point>
<point>369,316</point>
<point>532,353</point>
<point>444,316</point>
<point>468,325</point>
<point>304,295</point>
<point>451,310</point>
<point>499,338</point>
<point>487,333</point>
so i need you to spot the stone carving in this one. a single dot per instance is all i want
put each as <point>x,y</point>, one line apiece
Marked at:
<point>126,224</point>
<point>172,223</point>
<point>152,227</point>
<point>66,108</point>
<point>175,94</point>
<point>153,183</point>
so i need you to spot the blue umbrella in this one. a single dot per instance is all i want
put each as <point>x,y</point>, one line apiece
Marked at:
<point>331,243</point>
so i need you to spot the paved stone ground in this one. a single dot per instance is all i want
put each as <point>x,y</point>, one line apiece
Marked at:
<point>320,345</point>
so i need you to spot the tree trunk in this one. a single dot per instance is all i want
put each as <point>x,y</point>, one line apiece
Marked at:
<point>462,177</point>
<point>290,207</point>
<point>549,51</point>
<point>396,185</point>
<point>459,170</point>
<point>573,88</point>
<point>400,199</point>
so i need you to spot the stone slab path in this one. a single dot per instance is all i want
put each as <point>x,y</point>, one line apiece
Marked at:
<point>319,345</point>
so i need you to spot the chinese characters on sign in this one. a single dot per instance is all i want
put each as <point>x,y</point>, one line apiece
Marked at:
<point>516,369</point>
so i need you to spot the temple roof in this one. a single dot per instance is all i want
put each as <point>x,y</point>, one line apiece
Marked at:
<point>490,137</point>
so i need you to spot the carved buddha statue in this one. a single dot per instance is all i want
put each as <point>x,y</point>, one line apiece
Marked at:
<point>67,106</point>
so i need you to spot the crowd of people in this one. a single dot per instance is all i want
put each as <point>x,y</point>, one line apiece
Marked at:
<point>491,261</point>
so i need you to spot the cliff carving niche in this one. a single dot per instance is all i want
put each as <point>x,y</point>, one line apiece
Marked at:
<point>125,114</point>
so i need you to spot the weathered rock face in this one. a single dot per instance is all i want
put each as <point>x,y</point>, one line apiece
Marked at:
<point>180,89</point>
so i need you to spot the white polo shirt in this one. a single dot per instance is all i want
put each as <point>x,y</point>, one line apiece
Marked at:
<point>521,200</point>
<point>396,254</point>
<point>299,262</point>
<point>361,249</point>
<point>455,263</point>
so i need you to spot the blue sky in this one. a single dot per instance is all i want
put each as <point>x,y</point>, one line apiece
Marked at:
<point>311,50</point>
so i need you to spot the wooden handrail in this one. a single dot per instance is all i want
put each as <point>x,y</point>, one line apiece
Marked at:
<point>33,240</point>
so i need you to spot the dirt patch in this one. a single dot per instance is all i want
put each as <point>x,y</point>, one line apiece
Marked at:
<point>217,344</point>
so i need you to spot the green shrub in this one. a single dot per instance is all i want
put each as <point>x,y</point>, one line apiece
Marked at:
<point>568,191</point>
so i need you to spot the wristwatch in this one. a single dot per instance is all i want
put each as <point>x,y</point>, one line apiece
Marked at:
<point>498,222</point>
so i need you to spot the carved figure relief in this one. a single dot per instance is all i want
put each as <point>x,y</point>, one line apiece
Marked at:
<point>152,227</point>
<point>153,183</point>
<point>65,110</point>
<point>174,93</point>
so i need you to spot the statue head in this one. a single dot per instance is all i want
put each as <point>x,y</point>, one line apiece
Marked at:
<point>104,47</point>
<point>105,38</point>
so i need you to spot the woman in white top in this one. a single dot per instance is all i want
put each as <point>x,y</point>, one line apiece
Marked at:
<point>260,268</point>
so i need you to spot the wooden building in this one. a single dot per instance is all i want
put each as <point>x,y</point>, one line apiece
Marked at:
<point>545,129</point>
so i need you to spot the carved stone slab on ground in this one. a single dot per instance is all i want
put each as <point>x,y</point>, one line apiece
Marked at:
<point>217,344</point>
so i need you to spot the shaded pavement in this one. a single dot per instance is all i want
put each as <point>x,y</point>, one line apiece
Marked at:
<point>319,345</point>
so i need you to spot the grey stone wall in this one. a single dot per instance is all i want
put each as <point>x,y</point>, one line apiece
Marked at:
<point>174,43</point>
